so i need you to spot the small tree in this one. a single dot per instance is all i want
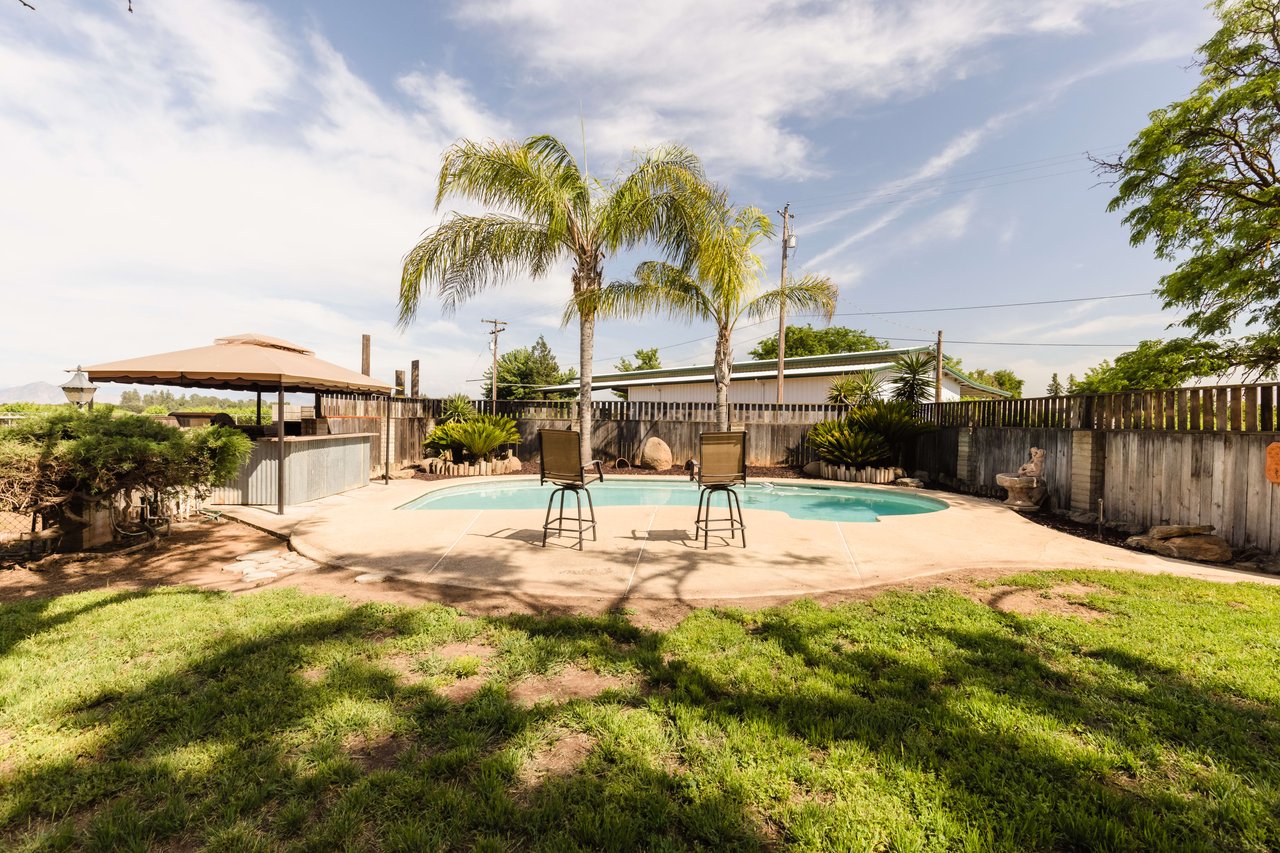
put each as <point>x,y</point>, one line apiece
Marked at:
<point>1055,388</point>
<point>522,372</point>
<point>646,359</point>
<point>856,389</point>
<point>806,340</point>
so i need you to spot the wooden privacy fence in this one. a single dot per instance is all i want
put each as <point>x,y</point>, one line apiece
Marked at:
<point>620,427</point>
<point>1222,408</point>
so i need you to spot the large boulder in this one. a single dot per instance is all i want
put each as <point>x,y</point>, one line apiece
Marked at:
<point>813,469</point>
<point>655,454</point>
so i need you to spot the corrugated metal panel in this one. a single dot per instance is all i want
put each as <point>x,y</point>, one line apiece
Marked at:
<point>314,468</point>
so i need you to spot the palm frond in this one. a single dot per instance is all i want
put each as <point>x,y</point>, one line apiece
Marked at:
<point>664,198</point>
<point>528,179</point>
<point>812,294</point>
<point>466,254</point>
<point>658,288</point>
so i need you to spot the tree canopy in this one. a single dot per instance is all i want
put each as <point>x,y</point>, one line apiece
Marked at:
<point>1155,365</point>
<point>806,340</point>
<point>521,372</point>
<point>646,359</point>
<point>1201,184</point>
<point>1005,380</point>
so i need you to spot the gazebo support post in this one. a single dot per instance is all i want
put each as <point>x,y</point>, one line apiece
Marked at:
<point>258,388</point>
<point>280,451</point>
<point>386,446</point>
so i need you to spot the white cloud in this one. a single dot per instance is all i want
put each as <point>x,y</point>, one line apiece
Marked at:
<point>205,172</point>
<point>725,77</point>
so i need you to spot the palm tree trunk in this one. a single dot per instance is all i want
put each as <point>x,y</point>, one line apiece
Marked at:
<point>586,347</point>
<point>724,359</point>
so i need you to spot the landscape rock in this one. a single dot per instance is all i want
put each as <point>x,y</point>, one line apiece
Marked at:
<point>813,469</point>
<point>1169,531</point>
<point>252,577</point>
<point>922,476</point>
<point>371,577</point>
<point>655,454</point>
<point>909,482</point>
<point>1203,547</point>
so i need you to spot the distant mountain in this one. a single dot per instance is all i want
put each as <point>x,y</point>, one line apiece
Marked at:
<point>47,392</point>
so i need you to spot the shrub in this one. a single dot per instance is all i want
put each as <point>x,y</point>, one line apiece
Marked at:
<point>893,420</point>
<point>484,434</point>
<point>100,456</point>
<point>838,443</point>
<point>444,437</point>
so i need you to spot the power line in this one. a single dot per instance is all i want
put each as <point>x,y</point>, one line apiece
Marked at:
<point>911,311</point>
<point>995,305</point>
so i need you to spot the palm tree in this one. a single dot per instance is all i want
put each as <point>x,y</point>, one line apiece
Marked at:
<point>550,211</point>
<point>914,377</point>
<point>720,284</point>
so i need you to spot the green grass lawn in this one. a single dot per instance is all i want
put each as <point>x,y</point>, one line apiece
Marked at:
<point>184,719</point>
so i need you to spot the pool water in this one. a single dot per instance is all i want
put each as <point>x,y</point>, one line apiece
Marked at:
<point>810,503</point>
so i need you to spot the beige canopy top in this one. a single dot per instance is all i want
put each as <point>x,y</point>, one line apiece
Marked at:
<point>242,363</point>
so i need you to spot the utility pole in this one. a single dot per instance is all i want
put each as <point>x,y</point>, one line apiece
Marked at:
<point>499,326</point>
<point>788,243</point>
<point>937,371</point>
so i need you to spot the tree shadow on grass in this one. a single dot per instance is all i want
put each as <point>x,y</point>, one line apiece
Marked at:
<point>301,735</point>
<point>950,727</point>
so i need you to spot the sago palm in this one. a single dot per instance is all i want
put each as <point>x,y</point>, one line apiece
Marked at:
<point>720,285</point>
<point>548,210</point>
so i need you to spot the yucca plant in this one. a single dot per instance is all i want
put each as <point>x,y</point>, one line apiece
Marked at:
<point>856,389</point>
<point>456,408</point>
<point>914,377</point>
<point>839,443</point>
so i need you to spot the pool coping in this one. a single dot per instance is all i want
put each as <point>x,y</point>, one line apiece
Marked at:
<point>497,552</point>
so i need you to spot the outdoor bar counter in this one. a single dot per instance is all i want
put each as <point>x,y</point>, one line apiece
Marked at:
<point>316,466</point>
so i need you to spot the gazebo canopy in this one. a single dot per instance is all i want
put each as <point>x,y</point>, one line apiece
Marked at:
<point>248,362</point>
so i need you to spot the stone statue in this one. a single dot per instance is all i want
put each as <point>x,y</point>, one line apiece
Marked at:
<point>1026,488</point>
<point>1034,468</point>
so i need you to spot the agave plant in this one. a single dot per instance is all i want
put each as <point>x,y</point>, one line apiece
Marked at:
<point>839,443</point>
<point>456,408</point>
<point>857,389</point>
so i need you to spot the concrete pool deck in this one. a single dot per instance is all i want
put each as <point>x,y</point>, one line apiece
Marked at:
<point>649,552</point>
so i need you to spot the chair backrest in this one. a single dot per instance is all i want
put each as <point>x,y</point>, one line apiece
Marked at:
<point>722,458</point>
<point>561,460</point>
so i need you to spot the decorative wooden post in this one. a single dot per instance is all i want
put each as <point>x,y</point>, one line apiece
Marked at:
<point>413,378</point>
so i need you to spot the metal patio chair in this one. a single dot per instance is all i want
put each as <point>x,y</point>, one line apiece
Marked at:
<point>722,464</point>
<point>562,465</point>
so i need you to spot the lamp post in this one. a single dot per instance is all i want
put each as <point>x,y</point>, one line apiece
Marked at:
<point>79,389</point>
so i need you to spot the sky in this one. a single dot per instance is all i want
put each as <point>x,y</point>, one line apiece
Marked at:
<point>211,167</point>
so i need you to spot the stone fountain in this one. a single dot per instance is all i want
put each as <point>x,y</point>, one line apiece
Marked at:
<point>1027,487</point>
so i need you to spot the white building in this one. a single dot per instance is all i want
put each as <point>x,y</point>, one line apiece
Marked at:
<point>808,378</point>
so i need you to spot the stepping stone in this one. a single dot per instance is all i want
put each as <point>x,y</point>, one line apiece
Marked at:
<point>371,577</point>
<point>251,577</point>
<point>239,567</point>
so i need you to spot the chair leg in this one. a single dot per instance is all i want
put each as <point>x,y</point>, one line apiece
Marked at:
<point>546,522</point>
<point>591,507</point>
<point>742,524</point>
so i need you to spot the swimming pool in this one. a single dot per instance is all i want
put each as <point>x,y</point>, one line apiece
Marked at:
<point>806,502</point>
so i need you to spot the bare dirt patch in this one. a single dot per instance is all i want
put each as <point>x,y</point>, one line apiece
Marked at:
<point>313,675</point>
<point>566,685</point>
<point>559,758</point>
<point>405,667</point>
<point>375,753</point>
<point>1035,602</point>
